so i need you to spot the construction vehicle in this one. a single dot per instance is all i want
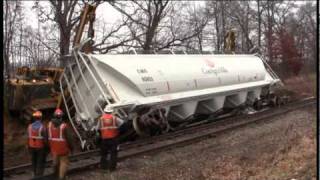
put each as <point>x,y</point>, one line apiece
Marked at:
<point>33,89</point>
<point>38,88</point>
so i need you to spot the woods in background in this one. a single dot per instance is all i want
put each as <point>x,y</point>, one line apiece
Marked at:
<point>284,32</point>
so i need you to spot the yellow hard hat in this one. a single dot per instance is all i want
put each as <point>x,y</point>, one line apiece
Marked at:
<point>37,114</point>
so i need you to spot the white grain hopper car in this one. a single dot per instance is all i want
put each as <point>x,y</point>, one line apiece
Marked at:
<point>156,90</point>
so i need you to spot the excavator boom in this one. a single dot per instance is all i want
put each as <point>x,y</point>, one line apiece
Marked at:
<point>87,15</point>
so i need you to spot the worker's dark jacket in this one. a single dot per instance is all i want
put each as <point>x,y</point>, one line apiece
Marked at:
<point>68,134</point>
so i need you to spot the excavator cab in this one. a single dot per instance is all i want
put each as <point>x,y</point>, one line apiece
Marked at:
<point>33,89</point>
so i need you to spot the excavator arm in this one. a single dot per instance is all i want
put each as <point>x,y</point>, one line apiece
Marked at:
<point>87,15</point>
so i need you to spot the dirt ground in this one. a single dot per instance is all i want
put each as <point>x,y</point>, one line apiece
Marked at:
<point>304,85</point>
<point>15,151</point>
<point>283,148</point>
<point>15,139</point>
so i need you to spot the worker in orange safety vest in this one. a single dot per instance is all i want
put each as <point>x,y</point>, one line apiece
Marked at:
<point>37,144</point>
<point>61,144</point>
<point>108,133</point>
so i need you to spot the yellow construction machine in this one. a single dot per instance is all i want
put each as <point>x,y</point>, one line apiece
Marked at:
<point>33,89</point>
<point>38,88</point>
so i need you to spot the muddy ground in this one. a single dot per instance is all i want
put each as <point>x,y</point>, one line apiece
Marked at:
<point>282,148</point>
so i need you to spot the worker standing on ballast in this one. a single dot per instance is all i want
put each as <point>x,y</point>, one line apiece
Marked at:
<point>61,144</point>
<point>109,130</point>
<point>37,144</point>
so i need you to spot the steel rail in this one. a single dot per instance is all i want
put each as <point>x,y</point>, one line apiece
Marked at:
<point>84,160</point>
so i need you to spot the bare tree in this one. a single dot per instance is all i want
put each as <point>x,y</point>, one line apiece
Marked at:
<point>37,52</point>
<point>241,16</point>
<point>145,18</point>
<point>197,21</point>
<point>259,12</point>
<point>160,24</point>
<point>216,13</point>
<point>184,22</point>
<point>154,24</point>
<point>66,15</point>
<point>306,33</point>
<point>112,38</point>
<point>269,24</point>
<point>11,11</point>
<point>227,16</point>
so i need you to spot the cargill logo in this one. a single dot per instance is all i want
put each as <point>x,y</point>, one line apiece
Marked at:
<point>209,63</point>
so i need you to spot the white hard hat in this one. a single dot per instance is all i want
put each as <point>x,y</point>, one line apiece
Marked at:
<point>108,109</point>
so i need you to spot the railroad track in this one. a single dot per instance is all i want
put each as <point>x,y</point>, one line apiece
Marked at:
<point>90,159</point>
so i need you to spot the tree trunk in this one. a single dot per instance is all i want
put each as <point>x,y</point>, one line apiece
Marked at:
<point>64,45</point>
<point>219,21</point>
<point>200,42</point>
<point>270,30</point>
<point>151,32</point>
<point>217,33</point>
<point>223,20</point>
<point>259,24</point>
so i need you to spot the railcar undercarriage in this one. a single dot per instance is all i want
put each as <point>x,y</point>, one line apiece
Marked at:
<point>154,121</point>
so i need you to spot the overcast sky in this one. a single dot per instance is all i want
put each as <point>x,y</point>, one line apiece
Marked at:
<point>104,11</point>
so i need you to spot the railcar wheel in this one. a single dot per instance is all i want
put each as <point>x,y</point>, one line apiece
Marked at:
<point>278,101</point>
<point>137,127</point>
<point>272,101</point>
<point>257,105</point>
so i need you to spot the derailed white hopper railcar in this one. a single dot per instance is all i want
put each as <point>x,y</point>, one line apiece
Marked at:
<point>156,90</point>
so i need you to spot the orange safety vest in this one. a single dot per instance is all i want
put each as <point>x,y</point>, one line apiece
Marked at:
<point>35,137</point>
<point>108,127</point>
<point>58,144</point>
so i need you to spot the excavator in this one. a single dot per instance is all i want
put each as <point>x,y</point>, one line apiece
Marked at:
<point>37,88</point>
<point>33,89</point>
